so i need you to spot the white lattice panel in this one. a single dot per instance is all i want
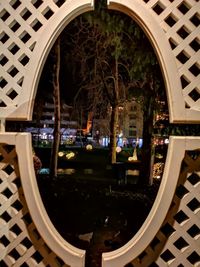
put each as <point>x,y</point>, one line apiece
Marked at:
<point>23,24</point>
<point>20,242</point>
<point>27,31</point>
<point>181,22</point>
<point>178,241</point>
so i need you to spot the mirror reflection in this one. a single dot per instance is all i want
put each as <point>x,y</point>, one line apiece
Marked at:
<point>100,131</point>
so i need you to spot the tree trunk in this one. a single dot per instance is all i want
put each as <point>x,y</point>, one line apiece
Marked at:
<point>147,142</point>
<point>114,114</point>
<point>113,133</point>
<point>56,97</point>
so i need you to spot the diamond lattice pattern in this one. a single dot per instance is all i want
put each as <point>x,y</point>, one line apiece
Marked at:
<point>178,241</point>
<point>20,242</point>
<point>21,26</point>
<point>23,21</point>
<point>180,21</point>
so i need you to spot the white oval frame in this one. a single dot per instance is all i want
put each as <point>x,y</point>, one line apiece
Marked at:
<point>152,224</point>
<point>74,256</point>
<point>140,13</point>
<point>177,146</point>
<point>70,10</point>
<point>176,109</point>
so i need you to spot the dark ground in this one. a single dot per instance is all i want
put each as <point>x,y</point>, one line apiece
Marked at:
<point>113,213</point>
<point>95,200</point>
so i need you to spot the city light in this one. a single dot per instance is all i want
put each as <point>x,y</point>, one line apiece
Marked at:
<point>70,155</point>
<point>134,157</point>
<point>158,170</point>
<point>60,154</point>
<point>89,147</point>
<point>118,149</point>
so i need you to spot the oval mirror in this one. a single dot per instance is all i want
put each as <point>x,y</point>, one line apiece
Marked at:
<point>100,131</point>
<point>101,113</point>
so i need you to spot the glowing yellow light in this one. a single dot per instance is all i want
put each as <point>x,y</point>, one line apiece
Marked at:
<point>60,154</point>
<point>134,155</point>
<point>70,155</point>
<point>89,147</point>
<point>159,156</point>
<point>118,149</point>
<point>158,170</point>
<point>130,159</point>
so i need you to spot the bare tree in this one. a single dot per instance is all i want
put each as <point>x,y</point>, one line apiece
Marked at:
<point>115,63</point>
<point>56,97</point>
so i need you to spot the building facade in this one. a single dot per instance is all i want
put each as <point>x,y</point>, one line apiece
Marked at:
<point>129,126</point>
<point>132,120</point>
